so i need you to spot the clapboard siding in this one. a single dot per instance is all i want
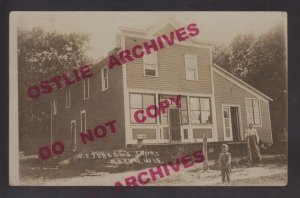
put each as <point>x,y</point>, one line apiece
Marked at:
<point>171,69</point>
<point>100,108</point>
<point>227,92</point>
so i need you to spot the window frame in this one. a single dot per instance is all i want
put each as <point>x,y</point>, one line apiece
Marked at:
<point>247,110</point>
<point>210,109</point>
<point>68,98</point>
<point>103,79</point>
<point>82,112</point>
<point>141,108</point>
<point>86,81</point>
<point>186,56</point>
<point>156,64</point>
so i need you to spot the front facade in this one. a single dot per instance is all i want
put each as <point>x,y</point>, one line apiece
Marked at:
<point>212,100</point>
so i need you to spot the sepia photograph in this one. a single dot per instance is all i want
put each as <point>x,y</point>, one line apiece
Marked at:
<point>148,98</point>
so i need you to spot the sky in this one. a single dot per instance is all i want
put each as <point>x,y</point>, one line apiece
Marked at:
<point>102,27</point>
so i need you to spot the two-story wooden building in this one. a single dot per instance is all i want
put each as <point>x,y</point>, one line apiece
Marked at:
<point>213,101</point>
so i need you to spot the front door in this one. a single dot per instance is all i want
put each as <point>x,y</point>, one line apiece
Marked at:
<point>73,135</point>
<point>235,123</point>
<point>174,124</point>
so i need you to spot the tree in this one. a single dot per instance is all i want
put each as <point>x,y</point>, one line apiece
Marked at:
<point>42,55</point>
<point>269,74</point>
<point>261,62</point>
<point>237,56</point>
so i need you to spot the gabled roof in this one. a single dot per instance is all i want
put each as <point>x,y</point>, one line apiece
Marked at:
<point>240,83</point>
<point>152,30</point>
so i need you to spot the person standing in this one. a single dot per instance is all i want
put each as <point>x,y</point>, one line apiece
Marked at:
<point>225,163</point>
<point>253,144</point>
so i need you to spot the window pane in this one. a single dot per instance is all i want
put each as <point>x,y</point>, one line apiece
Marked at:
<point>148,100</point>
<point>257,121</point>
<point>205,103</point>
<point>255,103</point>
<point>106,83</point>
<point>194,104</point>
<point>166,133</point>
<point>183,102</point>
<point>150,66</point>
<point>135,100</point>
<point>184,117</point>
<point>227,130</point>
<point>149,72</point>
<point>140,115</point>
<point>185,134</point>
<point>226,113</point>
<point>150,58</point>
<point>164,120</point>
<point>205,117</point>
<point>191,62</point>
<point>195,116</point>
<point>105,72</point>
<point>190,74</point>
<point>248,103</point>
<point>83,119</point>
<point>226,122</point>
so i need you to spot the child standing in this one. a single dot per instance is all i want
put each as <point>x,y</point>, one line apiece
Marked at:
<point>225,163</point>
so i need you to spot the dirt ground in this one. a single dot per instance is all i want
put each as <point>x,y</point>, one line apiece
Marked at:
<point>265,174</point>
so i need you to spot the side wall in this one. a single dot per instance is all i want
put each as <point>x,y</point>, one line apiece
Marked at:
<point>100,107</point>
<point>226,92</point>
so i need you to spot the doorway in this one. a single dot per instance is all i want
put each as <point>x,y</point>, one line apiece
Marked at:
<point>231,123</point>
<point>174,125</point>
<point>235,123</point>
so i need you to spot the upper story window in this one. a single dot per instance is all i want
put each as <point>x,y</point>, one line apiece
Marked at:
<point>83,121</point>
<point>68,98</point>
<point>86,89</point>
<point>253,111</point>
<point>150,64</point>
<point>200,110</point>
<point>54,106</point>
<point>191,71</point>
<point>104,77</point>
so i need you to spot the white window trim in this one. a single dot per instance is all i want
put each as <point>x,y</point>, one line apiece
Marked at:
<point>68,93</point>
<point>102,79</point>
<point>156,65</point>
<point>182,127</point>
<point>189,56</point>
<point>230,124</point>
<point>82,112</point>
<point>54,103</point>
<point>74,121</point>
<point>240,117</point>
<point>248,121</point>
<point>87,81</point>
